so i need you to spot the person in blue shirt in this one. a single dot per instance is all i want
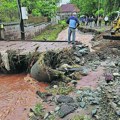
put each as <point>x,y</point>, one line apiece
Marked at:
<point>73,24</point>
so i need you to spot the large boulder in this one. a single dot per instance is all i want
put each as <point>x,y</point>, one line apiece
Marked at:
<point>39,72</point>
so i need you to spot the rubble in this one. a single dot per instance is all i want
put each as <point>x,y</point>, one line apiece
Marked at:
<point>58,65</point>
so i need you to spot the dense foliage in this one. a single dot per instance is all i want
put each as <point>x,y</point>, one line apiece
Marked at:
<point>9,8</point>
<point>103,7</point>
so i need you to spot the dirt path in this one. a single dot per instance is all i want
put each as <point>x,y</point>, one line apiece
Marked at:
<point>84,38</point>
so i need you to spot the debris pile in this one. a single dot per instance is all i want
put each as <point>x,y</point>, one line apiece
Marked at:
<point>59,65</point>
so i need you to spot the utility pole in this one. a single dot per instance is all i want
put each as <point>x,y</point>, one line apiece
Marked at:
<point>21,21</point>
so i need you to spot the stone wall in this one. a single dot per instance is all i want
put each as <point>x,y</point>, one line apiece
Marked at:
<point>12,32</point>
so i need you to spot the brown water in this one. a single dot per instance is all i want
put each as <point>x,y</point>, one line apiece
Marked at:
<point>17,96</point>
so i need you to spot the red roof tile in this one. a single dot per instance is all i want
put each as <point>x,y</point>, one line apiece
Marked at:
<point>69,8</point>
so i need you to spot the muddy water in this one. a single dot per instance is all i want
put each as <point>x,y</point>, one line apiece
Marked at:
<point>17,96</point>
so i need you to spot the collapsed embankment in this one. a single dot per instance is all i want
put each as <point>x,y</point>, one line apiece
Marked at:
<point>13,62</point>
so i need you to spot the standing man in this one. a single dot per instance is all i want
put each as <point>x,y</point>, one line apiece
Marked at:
<point>99,20</point>
<point>1,31</point>
<point>106,20</point>
<point>73,24</point>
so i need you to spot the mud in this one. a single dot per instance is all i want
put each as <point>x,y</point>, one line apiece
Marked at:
<point>17,96</point>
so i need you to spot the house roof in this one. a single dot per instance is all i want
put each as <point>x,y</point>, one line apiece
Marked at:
<point>68,8</point>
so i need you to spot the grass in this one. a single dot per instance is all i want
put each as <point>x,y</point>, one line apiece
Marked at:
<point>37,112</point>
<point>62,89</point>
<point>51,33</point>
<point>38,109</point>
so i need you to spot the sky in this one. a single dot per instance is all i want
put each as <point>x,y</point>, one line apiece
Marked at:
<point>64,1</point>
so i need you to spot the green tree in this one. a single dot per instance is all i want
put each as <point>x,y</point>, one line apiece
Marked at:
<point>9,8</point>
<point>93,6</point>
<point>41,7</point>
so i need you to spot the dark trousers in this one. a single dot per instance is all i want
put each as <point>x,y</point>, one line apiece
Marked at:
<point>2,37</point>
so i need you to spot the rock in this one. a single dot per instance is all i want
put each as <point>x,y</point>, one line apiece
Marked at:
<point>87,93</point>
<point>77,60</point>
<point>43,95</point>
<point>113,105</point>
<point>57,108</point>
<point>37,73</point>
<point>94,112</point>
<point>75,75</point>
<point>97,62</point>
<point>82,104</point>
<point>74,82</point>
<point>84,71</point>
<point>119,64</point>
<point>112,64</point>
<point>108,77</point>
<point>83,51</point>
<point>77,54</point>
<point>95,102</point>
<point>78,92</point>
<point>31,114</point>
<point>75,105</point>
<point>46,115</point>
<point>118,112</point>
<point>65,99</point>
<point>116,74</point>
<point>51,112</point>
<point>55,86</point>
<point>102,57</point>
<point>74,69</point>
<point>98,89</point>
<point>97,117</point>
<point>114,49</point>
<point>119,103</point>
<point>64,67</point>
<point>78,47</point>
<point>65,110</point>
<point>90,98</point>
<point>79,99</point>
<point>44,72</point>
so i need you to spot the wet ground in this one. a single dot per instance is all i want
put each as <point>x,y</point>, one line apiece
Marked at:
<point>82,37</point>
<point>91,80</point>
<point>17,96</point>
<point>17,92</point>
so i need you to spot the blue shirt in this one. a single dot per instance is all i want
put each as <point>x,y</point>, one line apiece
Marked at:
<point>72,21</point>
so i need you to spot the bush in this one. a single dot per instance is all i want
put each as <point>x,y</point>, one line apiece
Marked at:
<point>36,19</point>
<point>63,23</point>
<point>100,12</point>
<point>112,15</point>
